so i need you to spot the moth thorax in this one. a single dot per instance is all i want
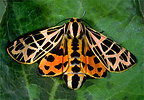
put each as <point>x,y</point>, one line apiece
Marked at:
<point>74,29</point>
<point>74,80</point>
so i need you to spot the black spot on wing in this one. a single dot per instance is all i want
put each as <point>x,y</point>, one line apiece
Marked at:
<point>38,36</point>
<point>29,40</point>
<point>28,61</point>
<point>110,52</point>
<point>11,45</point>
<point>123,57</point>
<point>49,47</point>
<point>94,43</point>
<point>111,69</point>
<point>120,65</point>
<point>11,48</point>
<point>97,35</point>
<point>89,53</point>
<point>22,60</point>
<point>116,48</point>
<point>65,63</point>
<point>59,35</point>
<point>98,50</point>
<point>132,59</point>
<point>34,45</point>
<point>20,46</point>
<point>58,66</point>
<point>50,31</point>
<point>40,42</point>
<point>15,55</point>
<point>112,60</point>
<point>57,51</point>
<point>107,42</point>
<point>49,58</point>
<point>96,75</point>
<point>46,45</point>
<point>29,52</point>
<point>104,47</point>
<point>104,74</point>
<point>101,57</point>
<point>53,38</point>
<point>126,52</point>
<point>46,67</point>
<point>99,69</point>
<point>38,54</point>
<point>96,60</point>
<point>19,57</point>
<point>90,67</point>
<point>51,73</point>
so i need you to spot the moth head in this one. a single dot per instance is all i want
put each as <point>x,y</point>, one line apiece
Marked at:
<point>75,20</point>
<point>74,28</point>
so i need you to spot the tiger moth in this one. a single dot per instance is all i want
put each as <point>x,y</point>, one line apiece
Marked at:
<point>72,50</point>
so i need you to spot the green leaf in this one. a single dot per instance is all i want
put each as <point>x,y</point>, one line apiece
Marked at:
<point>141,7</point>
<point>120,20</point>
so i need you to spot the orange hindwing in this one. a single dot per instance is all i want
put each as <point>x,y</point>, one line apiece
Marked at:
<point>54,63</point>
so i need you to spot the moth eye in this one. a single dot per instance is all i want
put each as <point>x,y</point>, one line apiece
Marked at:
<point>72,20</point>
<point>78,20</point>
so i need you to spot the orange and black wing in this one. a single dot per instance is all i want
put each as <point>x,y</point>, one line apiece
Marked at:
<point>54,63</point>
<point>92,66</point>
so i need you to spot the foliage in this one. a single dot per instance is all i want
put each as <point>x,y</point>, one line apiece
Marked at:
<point>120,20</point>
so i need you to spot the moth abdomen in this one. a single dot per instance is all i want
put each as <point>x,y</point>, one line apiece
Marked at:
<point>74,80</point>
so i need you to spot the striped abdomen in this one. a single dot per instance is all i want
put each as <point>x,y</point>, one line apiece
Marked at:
<point>74,75</point>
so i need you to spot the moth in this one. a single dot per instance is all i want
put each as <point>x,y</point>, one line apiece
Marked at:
<point>72,50</point>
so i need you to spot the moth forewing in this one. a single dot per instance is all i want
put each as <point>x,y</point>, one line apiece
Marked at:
<point>114,57</point>
<point>30,48</point>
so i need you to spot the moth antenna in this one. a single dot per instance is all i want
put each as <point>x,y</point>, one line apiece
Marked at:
<point>87,23</point>
<point>83,15</point>
<point>62,21</point>
<point>84,20</point>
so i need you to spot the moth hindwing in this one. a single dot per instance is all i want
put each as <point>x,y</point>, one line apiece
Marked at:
<point>72,50</point>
